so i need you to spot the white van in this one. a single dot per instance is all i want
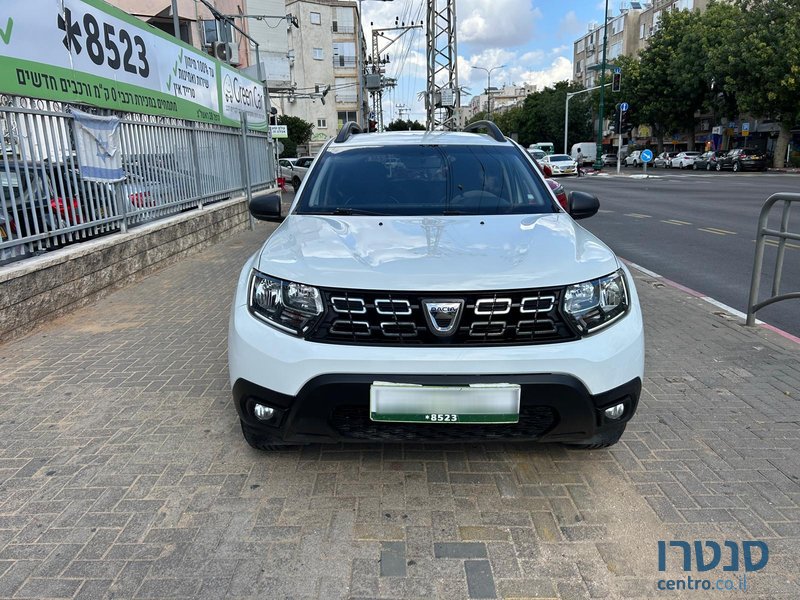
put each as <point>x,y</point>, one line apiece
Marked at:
<point>546,147</point>
<point>588,149</point>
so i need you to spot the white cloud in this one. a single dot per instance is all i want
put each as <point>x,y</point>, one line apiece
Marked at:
<point>532,58</point>
<point>486,23</point>
<point>559,70</point>
<point>571,25</point>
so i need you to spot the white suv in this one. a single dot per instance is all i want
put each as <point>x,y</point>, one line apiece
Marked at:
<point>428,286</point>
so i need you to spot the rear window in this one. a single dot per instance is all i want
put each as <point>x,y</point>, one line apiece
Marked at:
<point>424,180</point>
<point>559,157</point>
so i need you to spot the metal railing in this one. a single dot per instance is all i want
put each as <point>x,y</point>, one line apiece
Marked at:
<point>783,236</point>
<point>170,166</point>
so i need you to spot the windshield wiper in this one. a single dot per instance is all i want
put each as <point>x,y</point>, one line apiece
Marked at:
<point>345,210</point>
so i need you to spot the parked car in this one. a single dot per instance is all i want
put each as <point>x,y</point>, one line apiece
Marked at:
<point>708,160</point>
<point>743,159</point>
<point>33,202</point>
<point>634,159</point>
<point>664,159</point>
<point>294,170</point>
<point>609,160</point>
<point>537,154</point>
<point>561,164</point>
<point>683,160</point>
<point>560,193</point>
<point>453,300</point>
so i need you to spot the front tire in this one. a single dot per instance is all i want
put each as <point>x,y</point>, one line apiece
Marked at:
<point>719,166</point>
<point>736,167</point>
<point>708,166</point>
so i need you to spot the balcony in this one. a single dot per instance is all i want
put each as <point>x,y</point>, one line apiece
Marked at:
<point>344,62</point>
<point>340,28</point>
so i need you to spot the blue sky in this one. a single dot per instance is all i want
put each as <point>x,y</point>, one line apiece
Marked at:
<point>532,38</point>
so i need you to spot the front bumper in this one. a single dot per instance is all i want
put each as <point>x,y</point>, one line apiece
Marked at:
<point>331,408</point>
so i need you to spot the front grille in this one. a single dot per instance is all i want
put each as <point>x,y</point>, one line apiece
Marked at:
<point>353,422</point>
<point>397,318</point>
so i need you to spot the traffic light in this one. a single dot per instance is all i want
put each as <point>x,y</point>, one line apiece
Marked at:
<point>624,126</point>
<point>616,82</point>
<point>613,119</point>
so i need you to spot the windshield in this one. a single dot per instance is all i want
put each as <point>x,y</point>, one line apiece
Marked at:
<point>424,180</point>
<point>559,157</point>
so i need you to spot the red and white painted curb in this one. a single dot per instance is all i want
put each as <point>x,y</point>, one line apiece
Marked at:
<point>728,309</point>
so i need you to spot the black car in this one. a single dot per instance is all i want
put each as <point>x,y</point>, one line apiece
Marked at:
<point>708,160</point>
<point>743,159</point>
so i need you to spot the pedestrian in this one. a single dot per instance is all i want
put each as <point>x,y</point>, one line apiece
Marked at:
<point>579,160</point>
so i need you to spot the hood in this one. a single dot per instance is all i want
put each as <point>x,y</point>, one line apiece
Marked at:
<point>454,253</point>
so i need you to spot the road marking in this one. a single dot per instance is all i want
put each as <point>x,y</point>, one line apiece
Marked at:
<point>675,222</point>
<point>605,211</point>
<point>774,244</point>
<point>637,216</point>
<point>711,230</point>
<point>721,231</point>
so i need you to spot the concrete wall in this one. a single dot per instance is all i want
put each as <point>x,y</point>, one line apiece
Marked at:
<point>39,290</point>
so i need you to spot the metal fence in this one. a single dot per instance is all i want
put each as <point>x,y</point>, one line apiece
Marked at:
<point>170,166</point>
<point>783,235</point>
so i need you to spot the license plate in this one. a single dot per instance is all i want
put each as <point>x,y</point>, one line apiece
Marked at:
<point>471,404</point>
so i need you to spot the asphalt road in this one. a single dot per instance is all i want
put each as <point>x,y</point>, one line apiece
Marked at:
<point>698,229</point>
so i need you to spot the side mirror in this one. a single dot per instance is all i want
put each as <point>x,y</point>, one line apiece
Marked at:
<point>266,207</point>
<point>581,205</point>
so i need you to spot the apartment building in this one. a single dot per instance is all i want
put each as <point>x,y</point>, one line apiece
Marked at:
<point>623,40</point>
<point>328,49</point>
<point>502,99</point>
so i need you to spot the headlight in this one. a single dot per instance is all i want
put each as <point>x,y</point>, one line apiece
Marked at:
<point>291,307</point>
<point>592,305</point>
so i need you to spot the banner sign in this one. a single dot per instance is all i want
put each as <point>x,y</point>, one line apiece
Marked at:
<point>89,52</point>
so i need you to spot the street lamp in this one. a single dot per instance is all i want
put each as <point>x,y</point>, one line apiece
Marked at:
<point>489,86</point>
<point>598,163</point>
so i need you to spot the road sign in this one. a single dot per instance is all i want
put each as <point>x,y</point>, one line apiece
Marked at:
<point>647,155</point>
<point>624,107</point>
<point>279,131</point>
<point>617,70</point>
<point>745,129</point>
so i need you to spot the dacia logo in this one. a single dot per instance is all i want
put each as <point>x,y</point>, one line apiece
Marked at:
<point>443,316</point>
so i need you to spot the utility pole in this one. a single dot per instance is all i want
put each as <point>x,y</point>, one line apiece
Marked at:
<point>570,95</point>
<point>442,94</point>
<point>378,59</point>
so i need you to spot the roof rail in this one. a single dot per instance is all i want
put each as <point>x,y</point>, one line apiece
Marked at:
<point>493,129</point>
<point>348,129</point>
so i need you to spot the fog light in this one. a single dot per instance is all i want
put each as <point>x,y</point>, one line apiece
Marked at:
<point>613,412</point>
<point>263,413</point>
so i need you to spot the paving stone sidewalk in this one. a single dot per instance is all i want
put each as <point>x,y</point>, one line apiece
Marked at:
<point>123,473</point>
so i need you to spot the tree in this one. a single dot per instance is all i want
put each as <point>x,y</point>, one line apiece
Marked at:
<point>768,84</point>
<point>299,134</point>
<point>542,116</point>
<point>669,64</point>
<point>401,125</point>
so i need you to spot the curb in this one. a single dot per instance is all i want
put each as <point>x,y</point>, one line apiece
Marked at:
<point>713,302</point>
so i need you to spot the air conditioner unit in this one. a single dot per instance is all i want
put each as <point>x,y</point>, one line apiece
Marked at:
<point>221,51</point>
<point>590,47</point>
<point>226,52</point>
